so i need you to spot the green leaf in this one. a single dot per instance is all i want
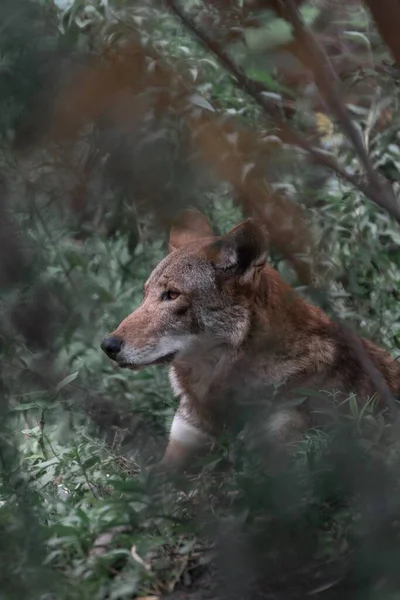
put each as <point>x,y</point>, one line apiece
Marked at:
<point>27,406</point>
<point>353,404</point>
<point>201,102</point>
<point>66,381</point>
<point>276,33</point>
<point>357,35</point>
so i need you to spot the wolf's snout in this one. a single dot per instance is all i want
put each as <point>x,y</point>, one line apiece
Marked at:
<point>111,346</point>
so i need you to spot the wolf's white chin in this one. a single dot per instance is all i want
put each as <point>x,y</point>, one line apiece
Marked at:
<point>163,350</point>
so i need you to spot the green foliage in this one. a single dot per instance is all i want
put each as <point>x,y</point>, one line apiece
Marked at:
<point>76,432</point>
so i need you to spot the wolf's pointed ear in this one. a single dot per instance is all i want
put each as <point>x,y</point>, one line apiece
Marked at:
<point>242,250</point>
<point>191,225</point>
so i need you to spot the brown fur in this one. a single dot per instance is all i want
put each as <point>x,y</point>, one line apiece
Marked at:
<point>233,331</point>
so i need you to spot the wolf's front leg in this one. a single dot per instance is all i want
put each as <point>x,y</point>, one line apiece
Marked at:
<point>187,439</point>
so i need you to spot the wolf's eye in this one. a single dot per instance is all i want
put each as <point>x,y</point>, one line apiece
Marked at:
<point>169,295</point>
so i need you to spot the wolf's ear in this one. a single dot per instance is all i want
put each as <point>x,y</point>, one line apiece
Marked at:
<point>191,225</point>
<point>242,250</point>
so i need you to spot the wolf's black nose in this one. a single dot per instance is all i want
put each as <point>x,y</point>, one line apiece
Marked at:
<point>111,346</point>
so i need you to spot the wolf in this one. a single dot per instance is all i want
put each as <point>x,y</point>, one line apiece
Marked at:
<point>241,344</point>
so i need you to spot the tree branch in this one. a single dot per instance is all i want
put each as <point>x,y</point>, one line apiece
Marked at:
<point>325,79</point>
<point>380,193</point>
<point>386,14</point>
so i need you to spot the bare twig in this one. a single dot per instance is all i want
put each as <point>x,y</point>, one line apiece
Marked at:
<point>41,438</point>
<point>372,187</point>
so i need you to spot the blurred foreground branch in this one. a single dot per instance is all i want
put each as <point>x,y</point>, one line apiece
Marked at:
<point>386,14</point>
<point>379,192</point>
<point>232,151</point>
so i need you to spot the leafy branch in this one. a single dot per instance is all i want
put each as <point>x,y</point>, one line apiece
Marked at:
<point>373,187</point>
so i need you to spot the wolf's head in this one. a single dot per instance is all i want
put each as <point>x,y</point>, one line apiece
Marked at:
<point>201,290</point>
